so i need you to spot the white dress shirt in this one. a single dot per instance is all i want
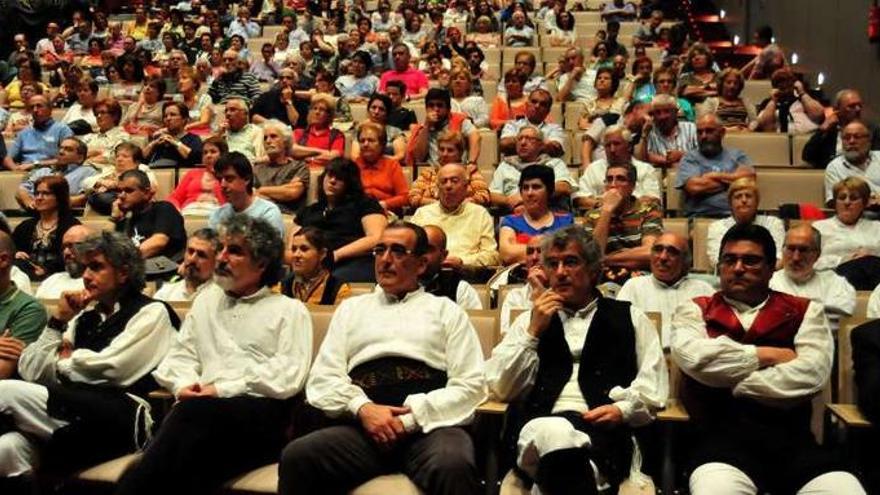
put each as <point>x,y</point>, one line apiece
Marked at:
<point>517,298</point>
<point>840,241</point>
<point>651,295</point>
<point>21,279</point>
<point>259,346</point>
<point>56,284</point>
<point>826,287</point>
<point>466,296</point>
<point>177,291</point>
<point>724,362</point>
<point>129,356</point>
<point>421,326</point>
<point>512,369</point>
<point>718,228</point>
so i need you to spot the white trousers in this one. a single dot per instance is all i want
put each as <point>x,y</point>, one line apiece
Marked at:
<point>717,478</point>
<point>26,404</point>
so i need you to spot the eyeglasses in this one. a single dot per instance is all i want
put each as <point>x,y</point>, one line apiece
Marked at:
<point>799,249</point>
<point>748,260</point>
<point>398,251</point>
<point>568,262</point>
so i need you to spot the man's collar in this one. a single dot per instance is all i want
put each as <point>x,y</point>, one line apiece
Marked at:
<point>9,293</point>
<point>664,285</point>
<point>744,307</point>
<point>393,299</point>
<point>259,294</point>
<point>566,313</point>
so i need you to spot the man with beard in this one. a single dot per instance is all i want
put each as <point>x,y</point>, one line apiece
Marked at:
<point>530,150</point>
<point>707,172</point>
<point>243,352</point>
<point>71,278</point>
<point>234,81</point>
<point>857,160</point>
<point>88,374</point>
<point>196,270</point>
<point>155,227</point>
<point>445,283</point>
<point>798,277</point>
<point>537,108</point>
<point>665,139</point>
<point>827,143</point>
<point>283,180</point>
<point>236,177</point>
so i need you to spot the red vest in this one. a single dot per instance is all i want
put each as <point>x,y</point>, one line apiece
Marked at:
<point>776,325</point>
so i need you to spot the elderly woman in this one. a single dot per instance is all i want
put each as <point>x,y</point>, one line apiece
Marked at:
<point>102,189</point>
<point>699,81</point>
<point>464,101</point>
<point>483,34</point>
<point>103,142</point>
<point>38,239</point>
<point>311,281</point>
<point>604,102</point>
<point>744,199</point>
<point>145,117</point>
<point>850,242</point>
<point>198,105</point>
<point>382,177</point>
<point>172,146</point>
<point>536,187</point>
<point>84,108</point>
<point>198,191</point>
<point>351,221</point>
<point>450,147</point>
<point>319,143</point>
<point>732,110</point>
<point>512,105</point>
<point>377,112</point>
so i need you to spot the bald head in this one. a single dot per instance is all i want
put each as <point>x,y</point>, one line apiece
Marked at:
<point>803,245</point>
<point>73,236</point>
<point>77,233</point>
<point>436,250</point>
<point>670,258</point>
<point>710,134</point>
<point>452,180</point>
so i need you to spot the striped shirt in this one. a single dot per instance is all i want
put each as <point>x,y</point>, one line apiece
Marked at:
<point>627,229</point>
<point>684,139</point>
<point>245,86</point>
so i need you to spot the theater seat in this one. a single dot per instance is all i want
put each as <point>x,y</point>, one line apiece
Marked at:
<point>9,182</point>
<point>260,480</point>
<point>763,149</point>
<point>110,471</point>
<point>397,484</point>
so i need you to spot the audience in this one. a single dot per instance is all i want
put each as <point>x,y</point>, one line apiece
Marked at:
<point>198,192</point>
<point>445,282</point>
<point>537,109</point>
<point>665,140</point>
<point>68,164</point>
<point>196,271</point>
<point>856,160</point>
<point>426,189</point>
<point>282,180</point>
<point>241,135</point>
<point>102,143</point>
<point>102,189</point>
<point>439,118</point>
<point>534,281</point>
<point>71,278</point>
<point>311,281</point>
<point>155,227</point>
<point>172,146</point>
<point>37,145</point>
<point>827,142</point>
<point>236,177</point>
<point>382,177</point>
<point>790,108</point>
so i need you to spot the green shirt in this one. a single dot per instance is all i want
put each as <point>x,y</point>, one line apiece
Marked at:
<point>22,314</point>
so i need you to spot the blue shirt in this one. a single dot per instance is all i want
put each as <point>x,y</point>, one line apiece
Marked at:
<point>34,143</point>
<point>260,208</point>
<point>694,164</point>
<point>524,231</point>
<point>74,175</point>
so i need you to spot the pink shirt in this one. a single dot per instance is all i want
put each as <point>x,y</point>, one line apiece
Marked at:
<point>414,79</point>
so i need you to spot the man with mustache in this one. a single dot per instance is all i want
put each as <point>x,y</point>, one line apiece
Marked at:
<point>707,172</point>
<point>857,160</point>
<point>241,354</point>
<point>402,372</point>
<point>71,277</point>
<point>282,180</point>
<point>752,360</point>
<point>571,417</point>
<point>197,268</point>
<point>88,374</point>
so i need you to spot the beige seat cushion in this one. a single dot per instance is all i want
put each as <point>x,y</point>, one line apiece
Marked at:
<point>260,480</point>
<point>397,484</point>
<point>110,471</point>
<point>513,485</point>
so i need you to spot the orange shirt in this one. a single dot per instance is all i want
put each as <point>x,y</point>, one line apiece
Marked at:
<point>384,181</point>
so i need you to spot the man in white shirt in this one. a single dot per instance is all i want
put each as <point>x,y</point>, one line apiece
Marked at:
<point>798,277</point>
<point>446,282</point>
<point>241,355</point>
<point>412,424</point>
<point>752,360</point>
<point>518,33</point>
<point>668,285</point>
<point>576,81</point>
<point>571,418</point>
<point>535,283</point>
<point>88,374</point>
<point>857,160</point>
<point>71,278</point>
<point>197,269</point>
<point>591,185</point>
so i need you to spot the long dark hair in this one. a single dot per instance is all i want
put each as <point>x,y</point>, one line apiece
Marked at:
<point>57,184</point>
<point>346,171</point>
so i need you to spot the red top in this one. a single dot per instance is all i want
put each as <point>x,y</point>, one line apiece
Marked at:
<point>777,322</point>
<point>414,79</point>
<point>320,138</point>
<point>189,189</point>
<point>384,181</point>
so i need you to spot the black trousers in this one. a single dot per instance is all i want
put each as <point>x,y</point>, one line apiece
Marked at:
<point>339,458</point>
<point>205,442</point>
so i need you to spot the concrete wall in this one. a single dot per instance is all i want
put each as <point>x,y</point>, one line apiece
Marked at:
<point>829,36</point>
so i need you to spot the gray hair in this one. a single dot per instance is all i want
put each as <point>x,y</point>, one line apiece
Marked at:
<point>586,246</point>
<point>664,101</point>
<point>531,127</point>
<point>625,133</point>
<point>815,236</point>
<point>283,128</point>
<point>208,235</point>
<point>263,242</point>
<point>840,95</point>
<point>120,252</point>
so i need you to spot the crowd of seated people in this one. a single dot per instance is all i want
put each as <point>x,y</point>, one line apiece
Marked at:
<point>421,149</point>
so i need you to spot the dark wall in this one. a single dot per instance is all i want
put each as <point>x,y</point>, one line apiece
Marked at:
<point>829,36</point>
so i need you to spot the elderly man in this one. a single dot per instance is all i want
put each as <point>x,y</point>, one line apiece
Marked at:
<point>71,278</point>
<point>518,33</point>
<point>707,172</point>
<point>155,227</point>
<point>648,33</point>
<point>665,139</point>
<point>525,63</point>
<point>624,227</point>
<point>633,119</point>
<point>575,82</point>
<point>591,185</point>
<point>197,269</point>
<point>283,180</point>
<point>88,374</point>
<point>234,81</point>
<point>240,134</point>
<point>752,360</point>
<point>803,245</point>
<point>415,80</point>
<point>504,188</point>
<point>668,285</point>
<point>744,198</point>
<point>827,143</point>
<point>445,283</point>
<point>279,101</point>
<point>22,317</point>
<point>236,177</point>
<point>242,353</point>
<point>411,424</point>
<point>71,155</point>
<point>532,272</point>
<point>573,417</point>
<point>537,108</point>
<point>37,145</point>
<point>856,160</point>
<point>468,226</point>
<point>440,118</point>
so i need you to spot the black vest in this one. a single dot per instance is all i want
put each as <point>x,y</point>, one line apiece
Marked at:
<point>445,284</point>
